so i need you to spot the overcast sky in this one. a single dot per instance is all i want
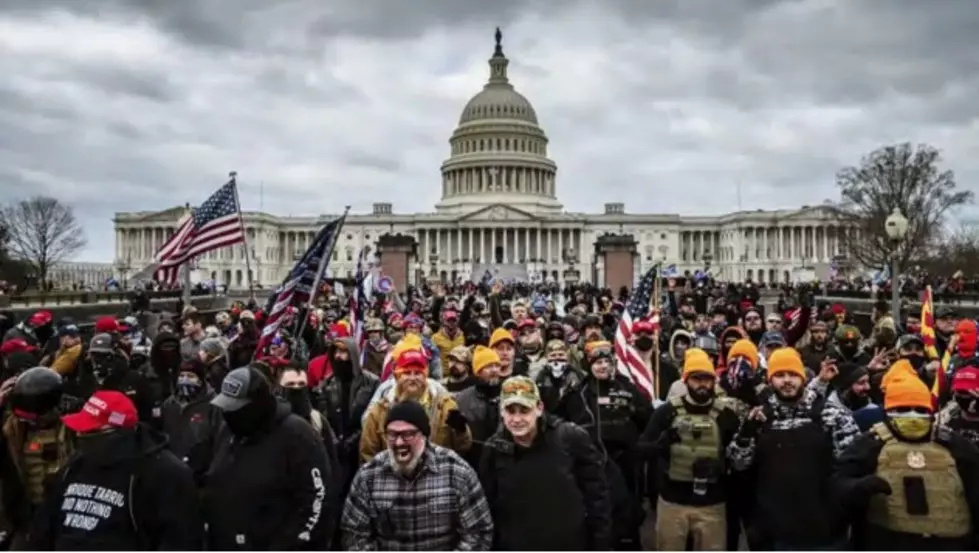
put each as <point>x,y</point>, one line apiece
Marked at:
<point>126,105</point>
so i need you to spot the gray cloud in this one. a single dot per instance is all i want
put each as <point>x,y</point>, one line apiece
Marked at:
<point>673,106</point>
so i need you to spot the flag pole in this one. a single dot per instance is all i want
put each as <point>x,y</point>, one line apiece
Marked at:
<point>233,176</point>
<point>657,293</point>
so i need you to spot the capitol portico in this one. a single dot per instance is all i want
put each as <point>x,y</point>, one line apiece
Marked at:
<point>499,210</point>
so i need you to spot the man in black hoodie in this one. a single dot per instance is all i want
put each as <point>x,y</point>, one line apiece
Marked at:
<point>123,491</point>
<point>267,486</point>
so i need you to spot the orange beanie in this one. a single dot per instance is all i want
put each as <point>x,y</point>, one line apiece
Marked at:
<point>786,360</point>
<point>907,392</point>
<point>696,361</point>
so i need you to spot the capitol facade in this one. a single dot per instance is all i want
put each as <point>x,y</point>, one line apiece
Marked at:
<point>500,211</point>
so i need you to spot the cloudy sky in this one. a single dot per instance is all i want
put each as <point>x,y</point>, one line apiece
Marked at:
<point>125,105</point>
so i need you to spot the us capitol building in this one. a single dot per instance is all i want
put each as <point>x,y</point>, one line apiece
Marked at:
<point>500,209</point>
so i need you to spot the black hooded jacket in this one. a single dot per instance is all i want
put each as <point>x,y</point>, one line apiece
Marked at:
<point>193,428</point>
<point>124,491</point>
<point>269,492</point>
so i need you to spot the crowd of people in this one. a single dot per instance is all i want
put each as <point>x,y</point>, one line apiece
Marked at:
<point>494,417</point>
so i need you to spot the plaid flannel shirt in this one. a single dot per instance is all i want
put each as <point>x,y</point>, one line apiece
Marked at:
<point>443,508</point>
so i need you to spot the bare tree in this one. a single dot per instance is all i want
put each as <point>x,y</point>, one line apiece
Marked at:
<point>956,250</point>
<point>902,177</point>
<point>42,232</point>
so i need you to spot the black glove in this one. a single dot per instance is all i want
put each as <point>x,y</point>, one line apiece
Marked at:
<point>873,485</point>
<point>456,421</point>
<point>750,428</point>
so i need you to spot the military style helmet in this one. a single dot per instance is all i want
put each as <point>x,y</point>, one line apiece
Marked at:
<point>374,325</point>
<point>37,391</point>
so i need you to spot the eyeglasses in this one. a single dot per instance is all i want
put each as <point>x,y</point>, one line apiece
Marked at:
<point>394,436</point>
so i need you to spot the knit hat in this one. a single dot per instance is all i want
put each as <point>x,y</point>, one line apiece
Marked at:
<point>745,348</point>
<point>848,333</point>
<point>412,413</point>
<point>213,347</point>
<point>408,343</point>
<point>786,360</point>
<point>484,357</point>
<point>907,392</point>
<point>500,335</point>
<point>848,374</point>
<point>900,369</point>
<point>696,361</point>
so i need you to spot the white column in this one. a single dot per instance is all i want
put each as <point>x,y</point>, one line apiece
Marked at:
<point>560,244</point>
<point>526,244</point>
<point>492,251</point>
<point>469,253</point>
<point>539,232</point>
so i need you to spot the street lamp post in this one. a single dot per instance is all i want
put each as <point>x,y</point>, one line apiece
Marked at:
<point>896,227</point>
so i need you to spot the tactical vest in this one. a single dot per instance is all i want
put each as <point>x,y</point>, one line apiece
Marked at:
<point>948,511</point>
<point>700,438</point>
<point>44,453</point>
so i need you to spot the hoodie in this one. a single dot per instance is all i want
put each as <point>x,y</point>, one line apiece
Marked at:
<point>124,491</point>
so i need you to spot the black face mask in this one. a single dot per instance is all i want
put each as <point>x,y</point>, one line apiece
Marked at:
<point>343,368</point>
<point>917,361</point>
<point>252,417</point>
<point>849,349</point>
<point>968,404</point>
<point>298,398</point>
<point>854,401</point>
<point>644,343</point>
<point>96,442</point>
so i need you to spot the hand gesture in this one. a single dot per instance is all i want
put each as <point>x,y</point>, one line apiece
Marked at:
<point>497,287</point>
<point>879,361</point>
<point>827,370</point>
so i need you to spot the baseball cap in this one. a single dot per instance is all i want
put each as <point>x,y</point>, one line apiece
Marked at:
<point>519,390</point>
<point>966,379</point>
<point>106,408</point>
<point>69,330</point>
<point>101,343</point>
<point>107,324</point>
<point>238,388</point>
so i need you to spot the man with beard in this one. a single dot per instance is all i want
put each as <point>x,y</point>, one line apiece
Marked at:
<point>559,378</point>
<point>848,385</point>
<point>752,324</point>
<point>791,440</point>
<point>344,397</point>
<point>818,348</point>
<point>848,341</point>
<point>531,346</point>
<point>912,491</point>
<point>35,446</point>
<point>480,403</point>
<point>544,479</point>
<point>961,415</point>
<point>449,427</point>
<point>415,495</point>
<point>267,486</point>
<point>448,336</point>
<point>460,378</point>
<point>687,438</point>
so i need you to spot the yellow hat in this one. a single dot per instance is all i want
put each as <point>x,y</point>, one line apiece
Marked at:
<point>696,361</point>
<point>500,335</point>
<point>744,348</point>
<point>408,343</point>
<point>908,392</point>
<point>786,360</point>
<point>484,357</point>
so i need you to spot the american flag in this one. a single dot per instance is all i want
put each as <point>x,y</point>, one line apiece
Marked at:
<point>215,224</point>
<point>301,285</point>
<point>359,304</point>
<point>168,275</point>
<point>638,309</point>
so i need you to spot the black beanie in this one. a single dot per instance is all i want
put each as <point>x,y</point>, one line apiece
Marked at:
<point>412,413</point>
<point>848,374</point>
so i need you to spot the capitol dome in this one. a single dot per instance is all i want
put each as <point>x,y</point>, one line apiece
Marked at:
<point>498,151</point>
